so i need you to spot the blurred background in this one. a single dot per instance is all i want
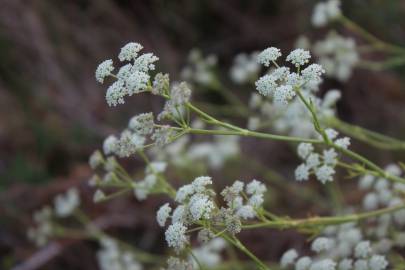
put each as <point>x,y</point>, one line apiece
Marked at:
<point>53,113</point>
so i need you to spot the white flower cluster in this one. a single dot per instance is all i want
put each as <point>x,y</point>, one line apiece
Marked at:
<point>44,229</point>
<point>132,78</point>
<point>197,204</point>
<point>281,84</point>
<point>322,166</point>
<point>209,254</point>
<point>142,124</point>
<point>342,248</point>
<point>128,144</point>
<point>216,153</point>
<point>326,11</point>
<point>294,119</point>
<point>245,68</point>
<point>134,137</point>
<point>113,257</point>
<point>236,206</point>
<point>200,69</point>
<point>66,203</point>
<point>64,206</point>
<point>383,193</point>
<point>174,263</point>
<point>180,94</point>
<point>338,55</point>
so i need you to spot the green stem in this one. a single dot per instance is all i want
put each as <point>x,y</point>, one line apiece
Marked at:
<point>235,130</point>
<point>371,137</point>
<point>322,221</point>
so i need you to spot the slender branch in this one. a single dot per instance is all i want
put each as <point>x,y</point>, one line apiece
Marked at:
<point>371,137</point>
<point>322,221</point>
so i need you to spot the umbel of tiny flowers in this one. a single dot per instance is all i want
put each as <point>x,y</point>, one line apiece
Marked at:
<point>197,205</point>
<point>116,176</point>
<point>112,256</point>
<point>322,166</point>
<point>131,78</point>
<point>337,54</point>
<point>341,248</point>
<point>326,11</point>
<point>281,84</point>
<point>66,203</point>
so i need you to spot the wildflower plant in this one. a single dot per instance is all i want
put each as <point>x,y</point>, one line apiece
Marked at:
<point>356,237</point>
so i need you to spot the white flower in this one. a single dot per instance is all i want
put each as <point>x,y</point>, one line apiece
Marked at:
<point>338,55</point>
<point>360,264</point>
<point>322,244</point>
<point>313,73</point>
<point>110,145</point>
<point>129,51</point>
<point>184,192</point>
<point>304,149</point>
<point>142,123</point>
<point>288,258</point>
<point>129,143</point>
<point>162,214</point>
<point>161,83</point>
<point>66,203</point>
<point>303,263</point>
<point>245,68</point>
<point>362,249</point>
<point>299,57</point>
<point>329,157</point>
<point>393,169</point>
<point>324,173</point>
<point>268,55</point>
<point>312,160</point>
<point>179,214</point>
<point>144,187</point>
<point>200,207</point>
<point>124,72</point>
<point>145,62</point>
<point>256,200</point>
<point>255,187</point>
<point>302,172</point>
<point>331,133</point>
<point>104,69</point>
<point>137,82</point>
<point>96,159</point>
<point>345,264</point>
<point>199,184</point>
<point>377,262</point>
<point>343,142</point>
<point>180,94</point>
<point>283,94</point>
<point>115,93</point>
<point>366,182</point>
<point>98,196</point>
<point>156,167</point>
<point>330,98</point>
<point>246,212</point>
<point>176,236</point>
<point>370,201</point>
<point>266,85</point>
<point>325,12</point>
<point>161,136</point>
<point>325,264</point>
